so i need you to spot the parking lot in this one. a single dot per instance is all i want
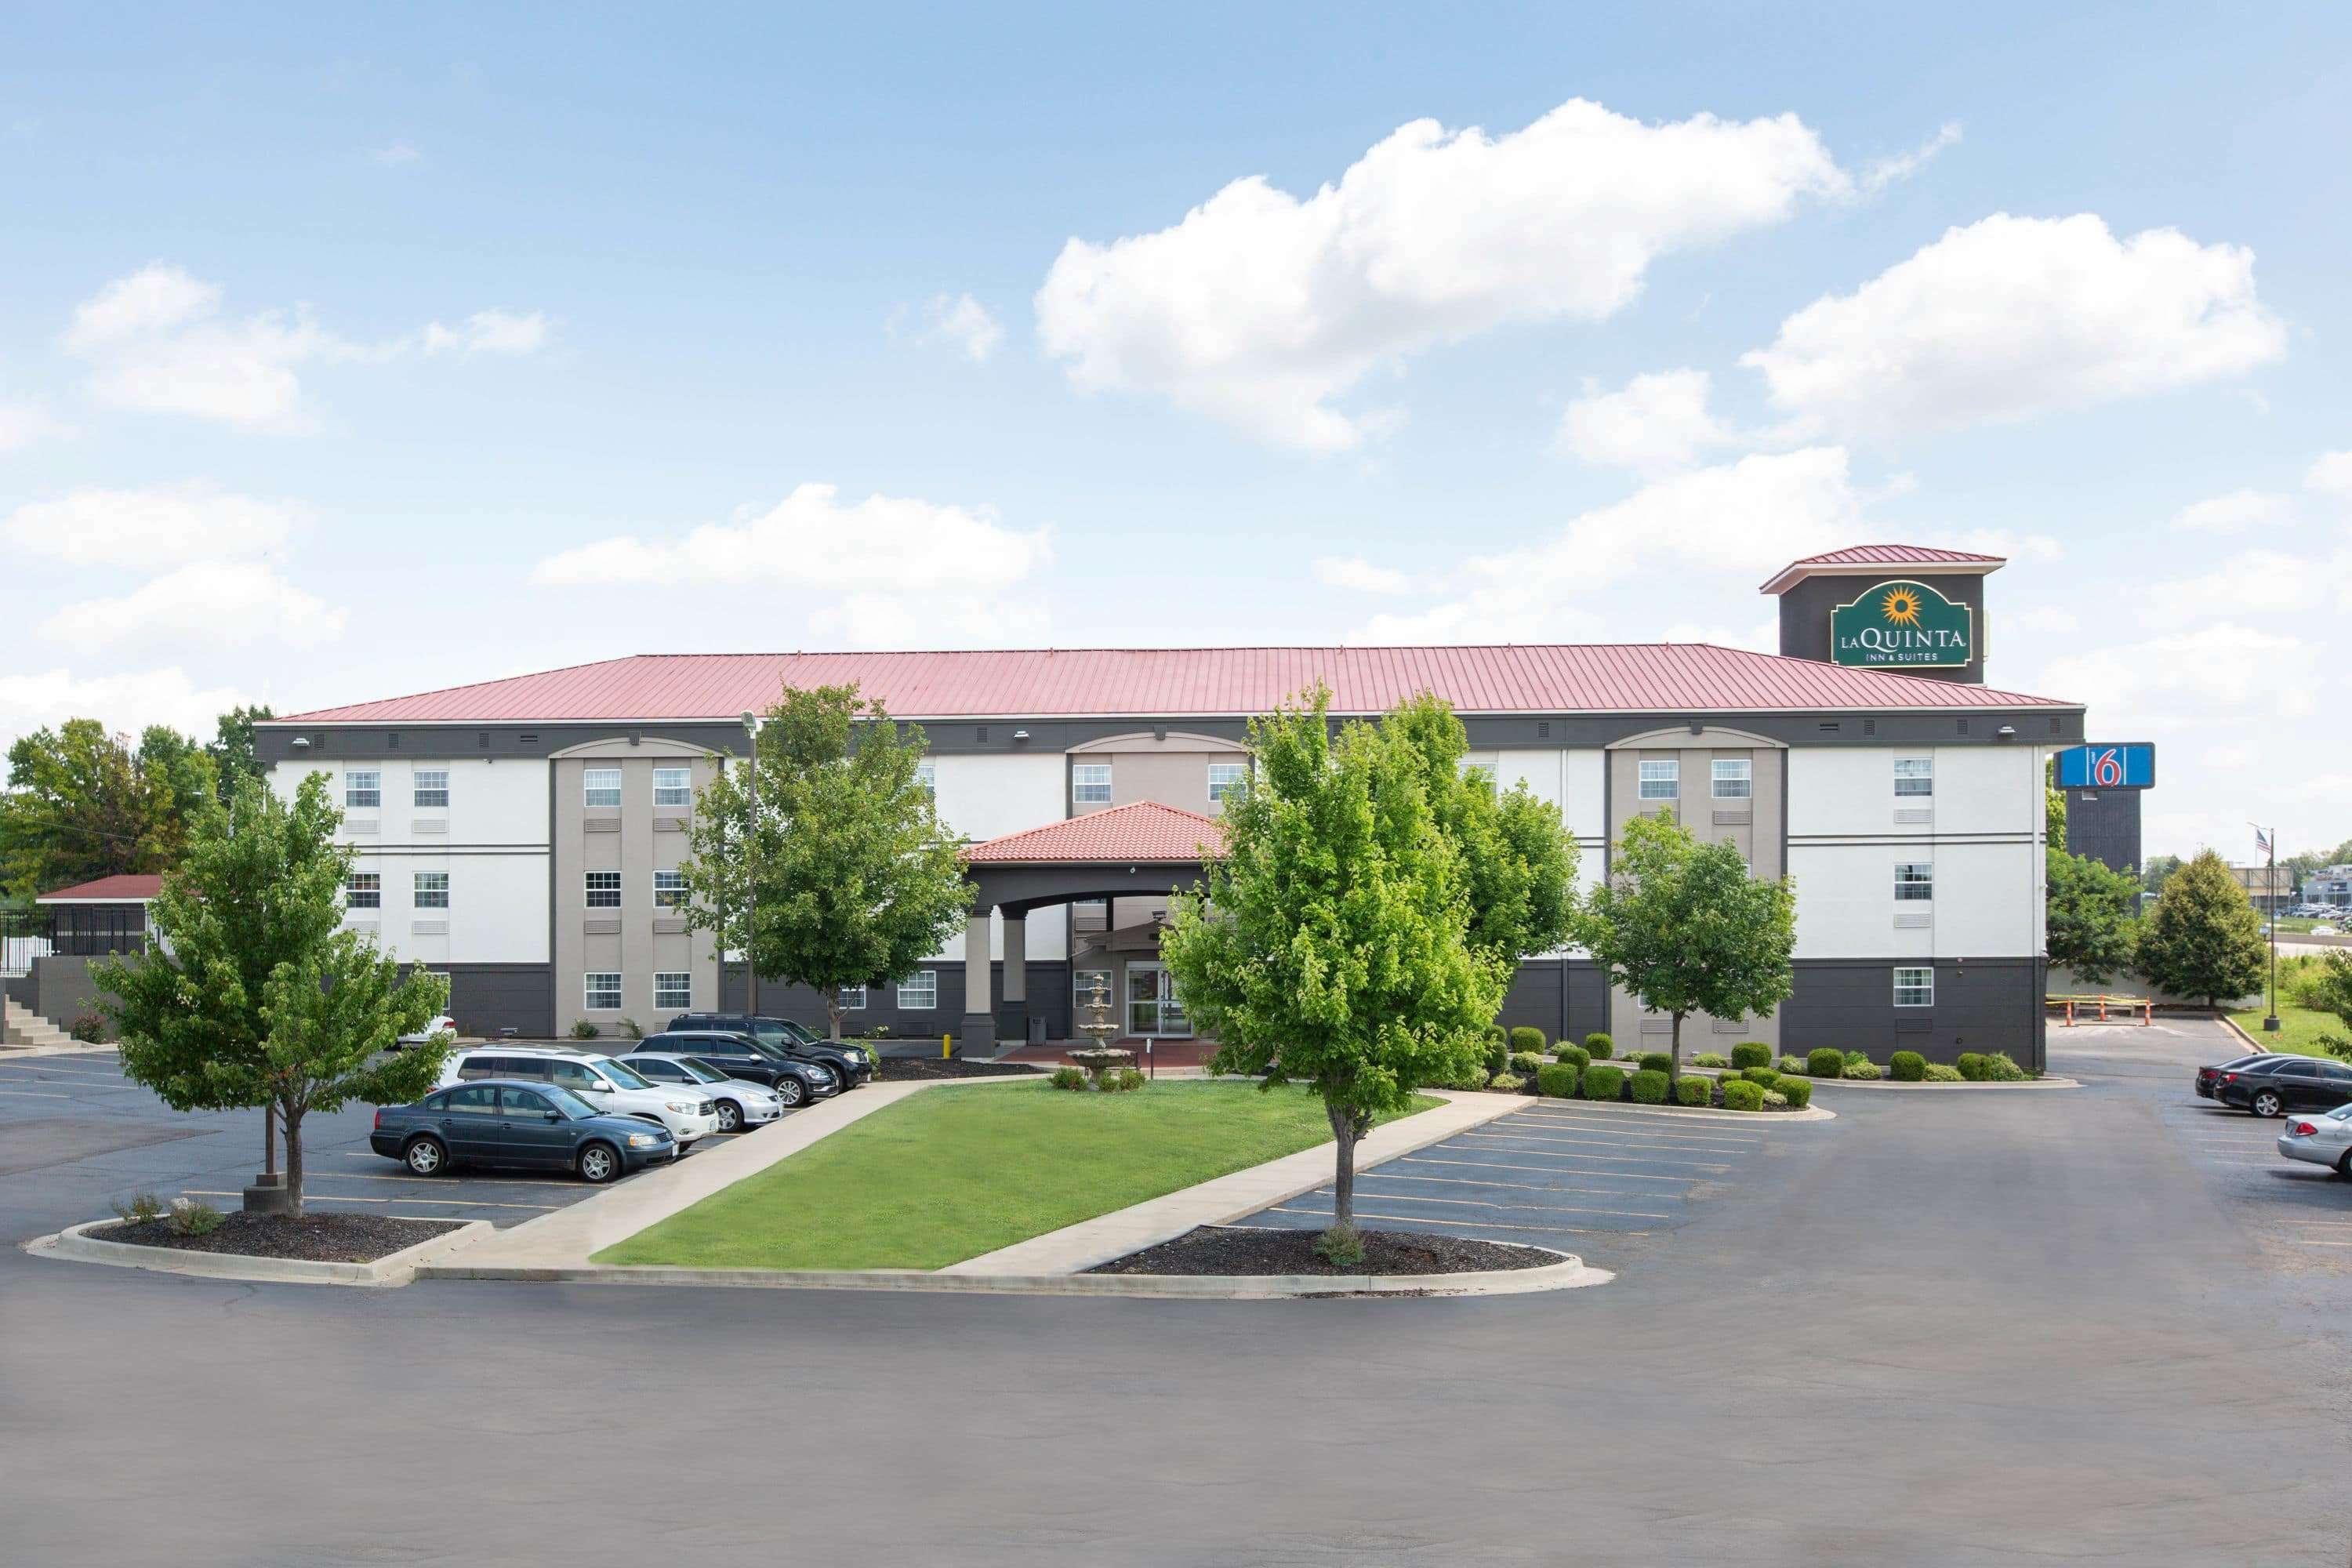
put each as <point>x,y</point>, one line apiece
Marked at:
<point>75,1135</point>
<point>1594,1180</point>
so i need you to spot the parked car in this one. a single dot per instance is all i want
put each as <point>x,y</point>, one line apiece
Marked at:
<point>853,1065</point>
<point>442,1023</point>
<point>2324,1140</point>
<point>495,1122</point>
<point>741,1055</point>
<point>2282,1084</point>
<point>599,1081</point>
<point>739,1104</point>
<point>2207,1077</point>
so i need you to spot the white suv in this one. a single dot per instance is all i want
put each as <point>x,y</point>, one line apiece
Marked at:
<point>599,1081</point>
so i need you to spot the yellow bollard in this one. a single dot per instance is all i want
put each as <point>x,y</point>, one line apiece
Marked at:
<point>943,1048</point>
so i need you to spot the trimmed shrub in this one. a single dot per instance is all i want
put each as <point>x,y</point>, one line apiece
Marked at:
<point>583,1030</point>
<point>1507,1083</point>
<point>1854,1058</point>
<point>1970,1067</point>
<point>1576,1057</point>
<point>1797,1091</point>
<point>1525,1063</point>
<point>1527,1041</point>
<point>1738,1094</point>
<point>1650,1086</point>
<point>1603,1082</point>
<point>1656,1061</point>
<point>1907,1067</point>
<point>1791,1066</point>
<point>1600,1047</point>
<point>1825,1061</point>
<point>632,1030</point>
<point>1498,1049</point>
<point>1695,1091</point>
<point>1863,1069</point>
<point>139,1207</point>
<point>1125,1081</point>
<point>1556,1080</point>
<point>193,1216</point>
<point>1068,1077</point>
<point>1476,1077</point>
<point>89,1028</point>
<point>1764,1076</point>
<point>1709,1059</point>
<point>1943,1072</point>
<point>1751,1054</point>
<point>1999,1069</point>
<point>1775,1101</point>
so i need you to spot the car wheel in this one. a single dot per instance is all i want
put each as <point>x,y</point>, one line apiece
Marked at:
<point>2269,1102</point>
<point>426,1157</point>
<point>599,1164</point>
<point>730,1116</point>
<point>2344,1164</point>
<point>832,1075</point>
<point>790,1092</point>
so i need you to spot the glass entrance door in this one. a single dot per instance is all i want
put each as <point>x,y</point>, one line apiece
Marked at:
<point>1151,1004</point>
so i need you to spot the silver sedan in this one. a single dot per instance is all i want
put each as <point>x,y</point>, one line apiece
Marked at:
<point>741,1104</point>
<point>2322,1137</point>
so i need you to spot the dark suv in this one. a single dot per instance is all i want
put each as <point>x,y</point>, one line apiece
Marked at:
<point>852,1065</point>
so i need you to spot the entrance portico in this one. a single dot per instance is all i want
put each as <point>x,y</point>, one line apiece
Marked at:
<point>1143,850</point>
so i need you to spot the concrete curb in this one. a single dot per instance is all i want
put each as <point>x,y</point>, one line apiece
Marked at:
<point>2042,1082</point>
<point>1569,1274</point>
<point>1685,1112</point>
<point>74,1244</point>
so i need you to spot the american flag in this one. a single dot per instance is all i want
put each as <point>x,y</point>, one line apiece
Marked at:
<point>2261,840</point>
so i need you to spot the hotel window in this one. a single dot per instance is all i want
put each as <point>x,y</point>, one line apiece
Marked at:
<point>1090,783</point>
<point>1915,880</point>
<point>1223,777</point>
<point>671,989</point>
<point>600,786</point>
<point>432,889</point>
<point>1915,987</point>
<point>927,775</point>
<point>363,787</point>
<point>920,991</point>
<point>433,789</point>
<point>669,890</point>
<point>364,891</point>
<point>853,998</point>
<point>599,990</point>
<point>673,786</point>
<point>602,890</point>
<point>1915,775</point>
<point>1732,780</point>
<point>1661,781</point>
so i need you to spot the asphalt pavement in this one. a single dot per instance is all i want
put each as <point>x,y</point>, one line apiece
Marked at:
<point>1975,1327</point>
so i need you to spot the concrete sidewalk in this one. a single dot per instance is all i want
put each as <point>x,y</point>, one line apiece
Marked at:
<point>1080,1247</point>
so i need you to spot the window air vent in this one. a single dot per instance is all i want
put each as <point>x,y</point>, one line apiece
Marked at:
<point>1870,726</point>
<point>392,741</point>
<point>1543,729</point>
<point>482,739</point>
<point>983,733</point>
<point>528,738</point>
<point>1964,726</point>
<point>1831,728</point>
<point>2055,725</point>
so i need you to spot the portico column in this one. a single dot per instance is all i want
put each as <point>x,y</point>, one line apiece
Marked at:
<point>1014,1023</point>
<point>978,1035</point>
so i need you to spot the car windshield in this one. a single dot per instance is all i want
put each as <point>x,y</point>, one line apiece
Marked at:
<point>699,1070</point>
<point>622,1074</point>
<point>571,1104</point>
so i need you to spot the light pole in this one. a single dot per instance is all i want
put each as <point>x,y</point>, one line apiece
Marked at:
<point>751,890</point>
<point>2268,839</point>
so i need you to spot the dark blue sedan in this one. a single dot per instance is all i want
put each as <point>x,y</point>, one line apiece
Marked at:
<point>502,1121</point>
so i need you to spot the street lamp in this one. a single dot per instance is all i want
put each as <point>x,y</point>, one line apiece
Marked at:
<point>750,891</point>
<point>2267,837</point>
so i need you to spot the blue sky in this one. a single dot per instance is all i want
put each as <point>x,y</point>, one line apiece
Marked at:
<point>348,356</point>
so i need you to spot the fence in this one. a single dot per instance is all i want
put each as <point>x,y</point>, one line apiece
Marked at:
<point>85,933</point>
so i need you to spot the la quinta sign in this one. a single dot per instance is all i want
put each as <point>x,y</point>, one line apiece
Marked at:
<point>1901,625</point>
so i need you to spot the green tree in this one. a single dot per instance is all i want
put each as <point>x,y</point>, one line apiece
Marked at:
<point>257,994</point>
<point>83,803</point>
<point>2054,807</point>
<point>1685,928</point>
<point>2156,871</point>
<point>1330,946</point>
<point>2203,938</point>
<point>186,770</point>
<point>1518,862</point>
<point>851,878</point>
<point>2089,916</point>
<point>232,747</point>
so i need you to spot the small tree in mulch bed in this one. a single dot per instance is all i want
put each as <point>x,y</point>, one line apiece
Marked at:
<point>256,993</point>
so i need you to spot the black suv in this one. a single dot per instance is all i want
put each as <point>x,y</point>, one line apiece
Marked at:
<point>852,1065</point>
<point>741,1055</point>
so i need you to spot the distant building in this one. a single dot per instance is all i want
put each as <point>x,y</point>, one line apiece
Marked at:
<point>2328,885</point>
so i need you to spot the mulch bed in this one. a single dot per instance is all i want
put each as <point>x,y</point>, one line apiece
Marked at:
<point>1249,1249</point>
<point>906,1070</point>
<point>314,1237</point>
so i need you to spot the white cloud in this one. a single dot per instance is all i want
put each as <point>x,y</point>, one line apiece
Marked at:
<point>156,343</point>
<point>396,155</point>
<point>127,702</point>
<point>2188,681</point>
<point>1355,573</point>
<point>2012,316</point>
<point>1884,172</point>
<point>2262,583</point>
<point>2233,514</point>
<point>2330,474</point>
<point>161,525</point>
<point>214,603</point>
<point>961,322</point>
<point>1260,308</point>
<point>1656,422</point>
<point>21,424</point>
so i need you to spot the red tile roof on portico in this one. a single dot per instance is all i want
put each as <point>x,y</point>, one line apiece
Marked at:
<point>129,887</point>
<point>1868,555</point>
<point>1145,833</point>
<point>1184,682</point>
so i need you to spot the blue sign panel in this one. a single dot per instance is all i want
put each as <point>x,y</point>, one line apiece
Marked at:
<point>2128,765</point>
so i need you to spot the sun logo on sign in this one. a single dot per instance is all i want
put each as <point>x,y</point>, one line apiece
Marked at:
<point>1901,607</point>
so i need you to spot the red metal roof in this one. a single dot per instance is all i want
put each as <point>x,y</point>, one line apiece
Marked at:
<point>1041,683</point>
<point>1886,555</point>
<point>131,886</point>
<point>1146,831</point>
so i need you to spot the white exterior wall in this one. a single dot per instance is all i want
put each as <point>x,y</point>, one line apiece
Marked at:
<point>492,841</point>
<point>1576,782</point>
<point>988,796</point>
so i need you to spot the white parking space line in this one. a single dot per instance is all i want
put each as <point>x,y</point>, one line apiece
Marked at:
<point>1616,1127</point>
<point>95,1074</point>
<point>1548,1147</point>
<point>32,1094</point>
<point>444,1181</point>
<point>1363,1176</point>
<point>1555,1208</point>
<point>1471,1224</point>
<point>1491,1165</point>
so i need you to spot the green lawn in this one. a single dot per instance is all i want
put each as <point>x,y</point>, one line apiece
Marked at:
<point>951,1173</point>
<point>2299,1030</point>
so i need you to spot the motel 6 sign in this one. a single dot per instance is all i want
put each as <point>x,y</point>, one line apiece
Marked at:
<point>2125,764</point>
